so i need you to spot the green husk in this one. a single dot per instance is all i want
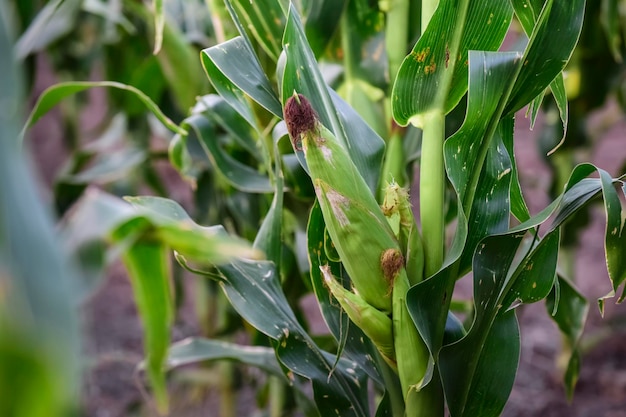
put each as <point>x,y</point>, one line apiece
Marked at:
<point>354,220</point>
<point>375,324</point>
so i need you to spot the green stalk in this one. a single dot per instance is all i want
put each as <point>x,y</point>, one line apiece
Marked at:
<point>432,189</point>
<point>228,398</point>
<point>432,168</point>
<point>396,35</point>
<point>348,49</point>
<point>277,396</point>
<point>396,38</point>
<point>428,9</point>
<point>392,386</point>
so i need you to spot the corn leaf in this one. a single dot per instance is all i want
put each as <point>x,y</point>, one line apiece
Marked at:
<point>147,265</point>
<point>322,21</point>
<point>238,174</point>
<point>548,50</point>
<point>462,153</point>
<point>569,308</point>
<point>434,74</point>
<point>53,95</point>
<point>234,69</point>
<point>194,350</point>
<point>39,326</point>
<point>338,390</point>
<point>265,20</point>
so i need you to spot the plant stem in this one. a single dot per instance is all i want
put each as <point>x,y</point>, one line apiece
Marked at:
<point>228,400</point>
<point>392,386</point>
<point>277,397</point>
<point>428,9</point>
<point>348,49</point>
<point>432,187</point>
<point>396,35</point>
<point>218,15</point>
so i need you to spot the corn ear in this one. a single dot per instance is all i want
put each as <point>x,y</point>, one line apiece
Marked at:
<point>397,208</point>
<point>376,325</point>
<point>354,220</point>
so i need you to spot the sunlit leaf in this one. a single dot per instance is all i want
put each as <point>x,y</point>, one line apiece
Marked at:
<point>159,24</point>
<point>53,95</point>
<point>266,21</point>
<point>434,74</point>
<point>550,47</point>
<point>147,266</point>
<point>233,69</point>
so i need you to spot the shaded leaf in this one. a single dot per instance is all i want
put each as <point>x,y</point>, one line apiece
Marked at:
<point>239,175</point>
<point>338,390</point>
<point>193,350</point>
<point>39,326</point>
<point>569,309</point>
<point>534,277</point>
<point>322,21</point>
<point>489,390</point>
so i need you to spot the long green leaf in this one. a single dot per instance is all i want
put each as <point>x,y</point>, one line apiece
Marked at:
<point>322,22</point>
<point>53,95</point>
<point>338,390</point>
<point>487,391</point>
<point>568,308</point>
<point>434,74</point>
<point>463,153</point>
<point>266,21</point>
<point>147,266</point>
<point>528,13</point>
<point>194,350</point>
<point>233,69</point>
<point>239,175</point>
<point>551,45</point>
<point>54,20</point>
<point>615,233</point>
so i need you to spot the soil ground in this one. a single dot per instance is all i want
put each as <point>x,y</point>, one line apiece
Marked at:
<point>113,336</point>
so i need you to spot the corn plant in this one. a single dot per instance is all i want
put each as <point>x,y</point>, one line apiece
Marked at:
<point>323,119</point>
